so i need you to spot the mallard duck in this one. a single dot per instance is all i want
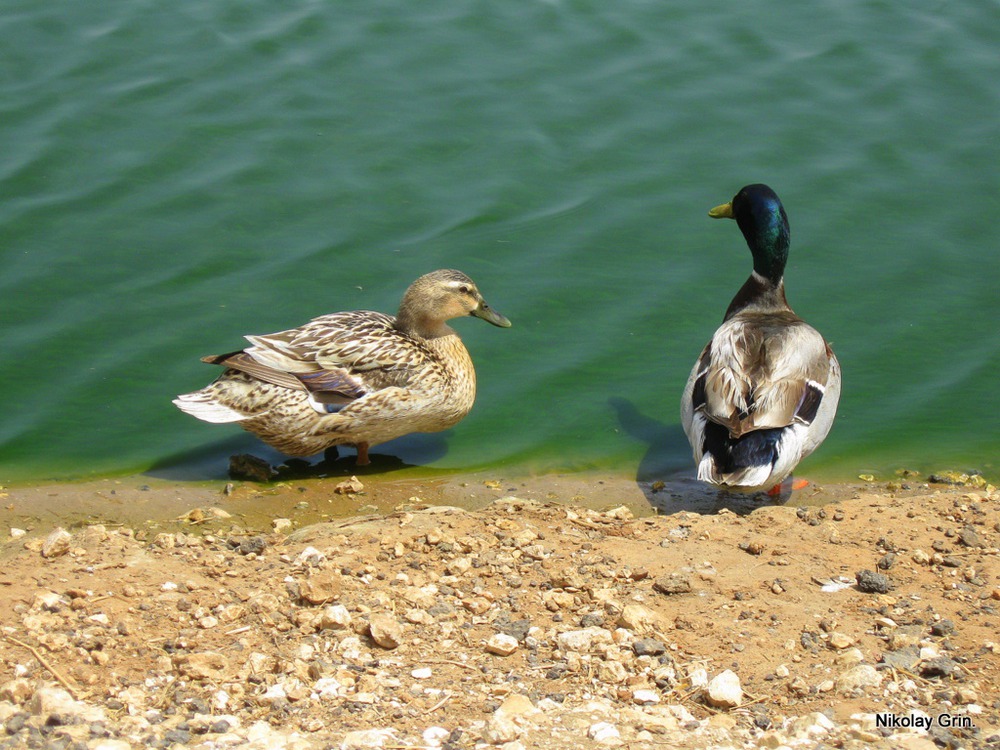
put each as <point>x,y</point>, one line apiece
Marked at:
<point>763,394</point>
<point>358,378</point>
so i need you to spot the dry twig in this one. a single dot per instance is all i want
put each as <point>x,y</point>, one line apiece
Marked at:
<point>44,662</point>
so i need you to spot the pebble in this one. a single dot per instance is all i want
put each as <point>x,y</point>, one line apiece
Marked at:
<point>698,677</point>
<point>970,537</point>
<point>206,665</point>
<point>724,690</point>
<point>940,666</point>
<point>871,582</point>
<point>322,587</point>
<point>604,732</point>
<point>584,640</point>
<point>675,583</point>
<point>335,617</point>
<point>500,729</point>
<point>501,644</point>
<point>641,619</point>
<point>309,557</point>
<point>645,697</point>
<point>16,691</point>
<point>648,647</point>
<point>859,677</point>
<point>56,543</point>
<point>350,486</point>
<point>435,736</point>
<point>250,468</point>
<point>48,702</point>
<point>839,640</point>
<point>943,628</point>
<point>385,630</point>
<point>48,601</point>
<point>905,658</point>
<point>809,727</point>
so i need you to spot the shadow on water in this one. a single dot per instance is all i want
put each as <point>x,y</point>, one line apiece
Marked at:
<point>666,475</point>
<point>211,461</point>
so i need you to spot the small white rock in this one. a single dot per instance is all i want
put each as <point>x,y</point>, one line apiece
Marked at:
<point>517,704</point>
<point>840,640</point>
<point>309,556</point>
<point>929,652</point>
<point>435,736</point>
<point>585,639</point>
<point>335,617</point>
<point>725,690</point>
<point>645,697</point>
<point>56,543</point>
<point>499,730</point>
<point>421,673</point>
<point>861,676</point>
<point>501,644</point>
<point>698,677</point>
<point>603,732</point>
<point>48,601</point>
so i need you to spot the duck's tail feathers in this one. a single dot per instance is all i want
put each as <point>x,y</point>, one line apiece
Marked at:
<point>203,406</point>
<point>747,461</point>
<point>748,476</point>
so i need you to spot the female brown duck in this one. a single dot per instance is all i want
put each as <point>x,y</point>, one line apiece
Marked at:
<point>358,378</point>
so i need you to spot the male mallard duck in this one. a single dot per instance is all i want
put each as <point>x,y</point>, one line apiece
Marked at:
<point>764,392</point>
<point>358,378</point>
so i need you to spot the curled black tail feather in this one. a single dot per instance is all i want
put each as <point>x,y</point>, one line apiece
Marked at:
<point>757,448</point>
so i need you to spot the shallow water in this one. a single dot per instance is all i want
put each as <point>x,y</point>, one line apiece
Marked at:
<point>176,176</point>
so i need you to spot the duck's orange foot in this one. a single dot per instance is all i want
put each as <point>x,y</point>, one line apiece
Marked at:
<point>790,485</point>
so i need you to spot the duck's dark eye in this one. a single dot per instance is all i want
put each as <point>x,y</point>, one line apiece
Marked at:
<point>463,289</point>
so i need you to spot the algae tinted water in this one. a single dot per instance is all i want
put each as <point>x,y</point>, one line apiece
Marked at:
<point>175,176</point>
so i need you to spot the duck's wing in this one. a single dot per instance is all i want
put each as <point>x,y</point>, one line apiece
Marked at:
<point>337,358</point>
<point>762,372</point>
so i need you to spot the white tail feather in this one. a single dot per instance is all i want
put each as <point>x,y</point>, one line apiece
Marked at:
<point>206,409</point>
<point>752,476</point>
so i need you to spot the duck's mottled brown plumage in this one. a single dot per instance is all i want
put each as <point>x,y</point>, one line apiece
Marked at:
<point>358,377</point>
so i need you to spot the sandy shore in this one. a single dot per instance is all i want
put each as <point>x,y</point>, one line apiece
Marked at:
<point>479,610</point>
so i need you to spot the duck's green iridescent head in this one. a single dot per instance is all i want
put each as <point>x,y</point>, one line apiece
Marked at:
<point>762,219</point>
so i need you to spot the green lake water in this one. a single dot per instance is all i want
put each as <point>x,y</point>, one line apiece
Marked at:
<point>175,175</point>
